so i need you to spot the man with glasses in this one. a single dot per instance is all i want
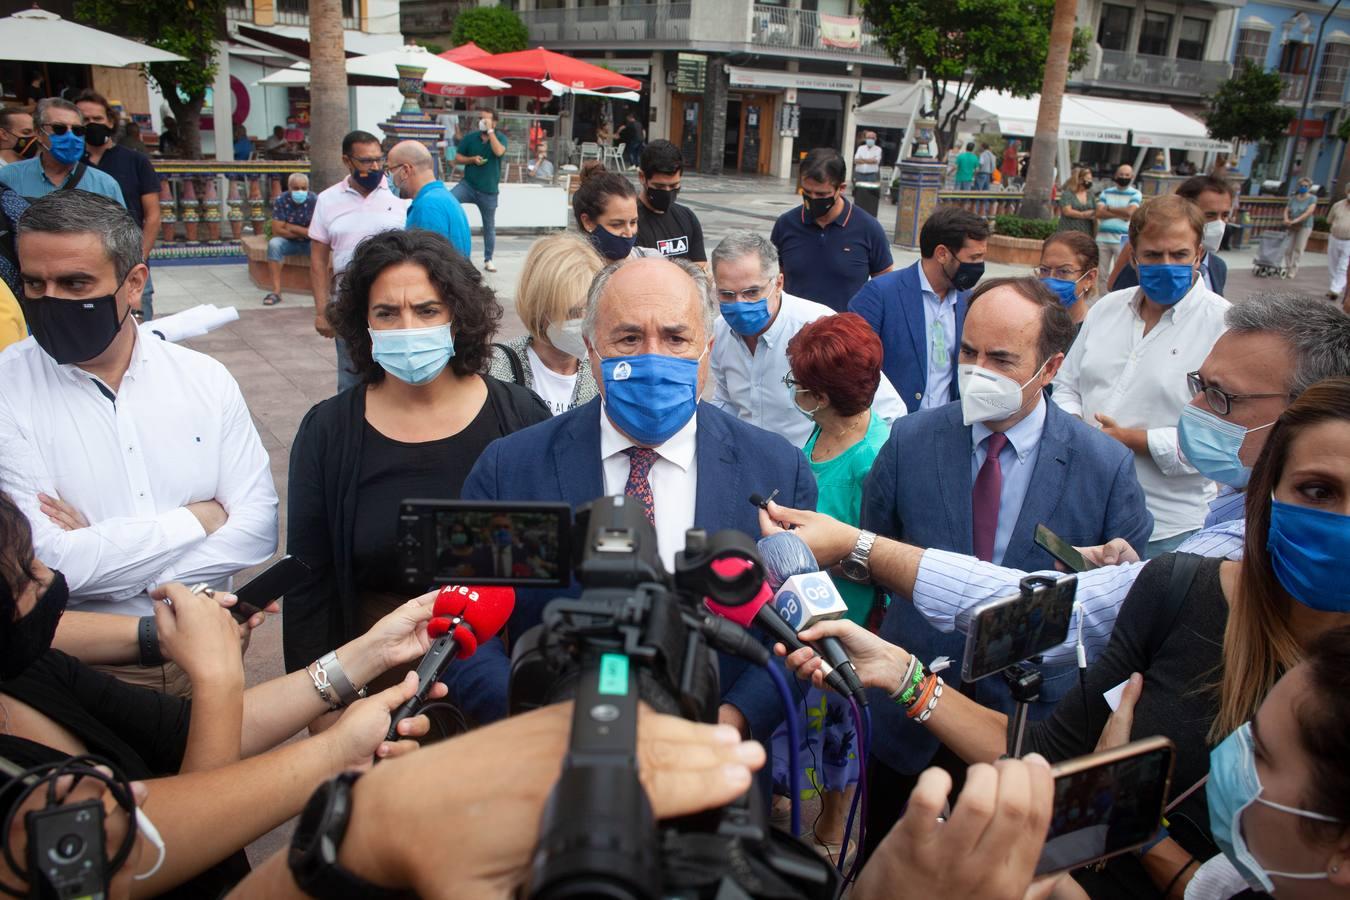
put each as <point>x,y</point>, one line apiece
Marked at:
<point>749,355</point>
<point>60,164</point>
<point>344,215</point>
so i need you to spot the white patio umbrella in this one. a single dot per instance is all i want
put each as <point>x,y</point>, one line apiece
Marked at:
<point>35,35</point>
<point>384,65</point>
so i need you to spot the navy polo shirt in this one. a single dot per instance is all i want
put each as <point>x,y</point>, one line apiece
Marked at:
<point>831,264</point>
<point>134,174</point>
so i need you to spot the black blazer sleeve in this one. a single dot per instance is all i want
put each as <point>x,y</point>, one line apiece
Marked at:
<point>309,614</point>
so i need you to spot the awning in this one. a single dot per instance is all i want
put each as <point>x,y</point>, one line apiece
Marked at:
<point>1077,120</point>
<point>35,35</point>
<point>1155,124</point>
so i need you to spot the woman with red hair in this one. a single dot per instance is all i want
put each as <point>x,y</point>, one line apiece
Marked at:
<point>835,369</point>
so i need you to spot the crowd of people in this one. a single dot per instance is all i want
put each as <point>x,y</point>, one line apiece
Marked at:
<point>913,426</point>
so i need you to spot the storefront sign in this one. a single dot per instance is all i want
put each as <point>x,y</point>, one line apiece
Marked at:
<point>761,78</point>
<point>841,32</point>
<point>1180,142</point>
<point>624,66</point>
<point>1308,128</point>
<point>692,77</point>
<point>889,88</point>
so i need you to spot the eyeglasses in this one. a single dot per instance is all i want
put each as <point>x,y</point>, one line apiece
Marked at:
<point>792,384</point>
<point>1063,272</point>
<point>367,162</point>
<point>62,128</point>
<point>749,295</point>
<point>1218,399</point>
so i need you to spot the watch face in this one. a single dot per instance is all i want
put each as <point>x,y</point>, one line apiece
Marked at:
<point>853,569</point>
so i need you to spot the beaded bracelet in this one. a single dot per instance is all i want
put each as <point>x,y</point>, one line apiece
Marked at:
<point>921,701</point>
<point>909,684</point>
<point>932,702</point>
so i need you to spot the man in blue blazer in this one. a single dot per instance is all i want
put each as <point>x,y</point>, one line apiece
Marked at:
<point>648,327</point>
<point>919,311</point>
<point>977,477</point>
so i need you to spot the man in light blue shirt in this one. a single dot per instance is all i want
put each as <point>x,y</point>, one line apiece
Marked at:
<point>1115,206</point>
<point>61,163</point>
<point>413,174</point>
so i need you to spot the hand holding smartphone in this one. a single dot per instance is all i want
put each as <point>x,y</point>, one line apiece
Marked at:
<point>268,585</point>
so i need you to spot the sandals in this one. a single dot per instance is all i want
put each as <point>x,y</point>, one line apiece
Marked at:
<point>271,300</point>
<point>830,849</point>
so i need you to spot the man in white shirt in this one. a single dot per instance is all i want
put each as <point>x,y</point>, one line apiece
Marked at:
<point>344,215</point>
<point>867,159</point>
<point>750,338</point>
<point>1126,372</point>
<point>135,460</point>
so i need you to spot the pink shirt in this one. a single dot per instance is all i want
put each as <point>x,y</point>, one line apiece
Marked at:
<point>344,218</point>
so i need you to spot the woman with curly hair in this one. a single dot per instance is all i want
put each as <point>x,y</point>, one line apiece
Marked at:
<point>419,322</point>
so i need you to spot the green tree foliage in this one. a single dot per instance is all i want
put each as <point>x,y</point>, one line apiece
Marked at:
<point>966,46</point>
<point>1344,131</point>
<point>494,28</point>
<point>186,27</point>
<point>1247,107</point>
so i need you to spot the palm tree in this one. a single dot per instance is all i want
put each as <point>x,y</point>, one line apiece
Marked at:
<point>1040,171</point>
<point>329,117</point>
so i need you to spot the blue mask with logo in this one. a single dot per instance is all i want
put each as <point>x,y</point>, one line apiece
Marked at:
<point>413,355</point>
<point>611,246</point>
<point>1234,785</point>
<point>1065,290</point>
<point>1165,283</point>
<point>1307,551</point>
<point>747,318</point>
<point>68,148</point>
<point>1211,444</point>
<point>300,196</point>
<point>650,396</point>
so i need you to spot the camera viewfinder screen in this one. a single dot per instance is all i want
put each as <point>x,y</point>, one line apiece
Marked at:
<point>1105,809</point>
<point>500,546</point>
<point>1009,632</point>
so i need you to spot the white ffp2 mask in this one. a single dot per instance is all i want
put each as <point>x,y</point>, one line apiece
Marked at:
<point>987,395</point>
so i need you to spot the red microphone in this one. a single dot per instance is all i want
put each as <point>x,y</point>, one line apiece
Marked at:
<point>462,618</point>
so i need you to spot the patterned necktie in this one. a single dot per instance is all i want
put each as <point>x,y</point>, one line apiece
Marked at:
<point>985,498</point>
<point>640,460</point>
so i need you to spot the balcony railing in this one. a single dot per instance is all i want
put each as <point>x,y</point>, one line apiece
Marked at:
<point>627,22</point>
<point>1183,76</point>
<point>802,30</point>
<point>290,12</point>
<point>1292,87</point>
<point>1329,90</point>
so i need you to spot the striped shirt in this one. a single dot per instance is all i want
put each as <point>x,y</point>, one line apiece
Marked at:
<point>950,585</point>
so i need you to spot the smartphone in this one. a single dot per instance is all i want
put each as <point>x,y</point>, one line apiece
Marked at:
<point>1107,803</point>
<point>1062,550</point>
<point>485,542</point>
<point>268,585</point>
<point>1009,630</point>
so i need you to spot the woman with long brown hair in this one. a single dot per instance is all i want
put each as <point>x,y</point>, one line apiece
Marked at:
<point>1209,636</point>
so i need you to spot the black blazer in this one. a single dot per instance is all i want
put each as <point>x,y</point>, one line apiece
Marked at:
<point>320,614</point>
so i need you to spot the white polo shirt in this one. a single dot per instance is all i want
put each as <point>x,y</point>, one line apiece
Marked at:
<point>344,217</point>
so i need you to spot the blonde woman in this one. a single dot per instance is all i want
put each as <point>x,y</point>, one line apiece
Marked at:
<point>550,300</point>
<point>1077,206</point>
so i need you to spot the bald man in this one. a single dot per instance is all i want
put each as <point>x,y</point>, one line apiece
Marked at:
<point>412,174</point>
<point>648,329</point>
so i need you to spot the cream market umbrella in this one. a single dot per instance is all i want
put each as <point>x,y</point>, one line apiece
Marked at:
<point>385,65</point>
<point>35,35</point>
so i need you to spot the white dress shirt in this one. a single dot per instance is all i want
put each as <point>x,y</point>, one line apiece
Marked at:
<point>751,387</point>
<point>939,331</point>
<point>177,433</point>
<point>1140,381</point>
<point>673,477</point>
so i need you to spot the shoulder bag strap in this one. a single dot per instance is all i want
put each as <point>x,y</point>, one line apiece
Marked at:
<point>517,368</point>
<point>1184,567</point>
<point>75,177</point>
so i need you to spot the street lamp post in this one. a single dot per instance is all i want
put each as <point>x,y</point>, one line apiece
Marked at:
<point>1307,93</point>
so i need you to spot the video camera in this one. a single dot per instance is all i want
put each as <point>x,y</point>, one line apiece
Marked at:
<point>635,633</point>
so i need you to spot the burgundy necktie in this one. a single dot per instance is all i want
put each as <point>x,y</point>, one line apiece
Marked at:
<point>984,499</point>
<point>640,460</point>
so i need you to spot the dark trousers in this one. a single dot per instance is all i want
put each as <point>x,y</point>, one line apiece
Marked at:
<point>888,791</point>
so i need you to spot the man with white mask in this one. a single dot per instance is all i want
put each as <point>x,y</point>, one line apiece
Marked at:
<point>977,476</point>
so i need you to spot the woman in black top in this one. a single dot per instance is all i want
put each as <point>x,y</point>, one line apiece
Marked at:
<point>419,322</point>
<point>1209,656</point>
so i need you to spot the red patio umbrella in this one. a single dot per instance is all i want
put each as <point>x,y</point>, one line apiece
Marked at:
<point>541,65</point>
<point>465,52</point>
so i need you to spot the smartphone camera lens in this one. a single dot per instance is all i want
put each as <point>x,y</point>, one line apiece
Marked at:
<point>69,847</point>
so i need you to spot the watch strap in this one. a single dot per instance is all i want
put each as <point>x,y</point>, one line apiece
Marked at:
<point>318,840</point>
<point>147,641</point>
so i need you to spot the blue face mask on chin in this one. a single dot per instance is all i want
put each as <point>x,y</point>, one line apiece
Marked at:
<point>747,318</point>
<point>1211,444</point>
<point>413,355</point>
<point>1307,551</point>
<point>650,396</point>
<point>1166,283</point>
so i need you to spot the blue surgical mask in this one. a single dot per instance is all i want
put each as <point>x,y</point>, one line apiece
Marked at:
<point>300,196</point>
<point>1065,290</point>
<point>747,318</point>
<point>1234,784</point>
<point>650,396</point>
<point>1303,189</point>
<point>1166,283</point>
<point>1211,444</point>
<point>68,148</point>
<point>413,355</point>
<point>1307,551</point>
<point>611,246</point>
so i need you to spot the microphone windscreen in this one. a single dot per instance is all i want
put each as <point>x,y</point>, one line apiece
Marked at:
<point>744,614</point>
<point>484,609</point>
<point>438,626</point>
<point>785,554</point>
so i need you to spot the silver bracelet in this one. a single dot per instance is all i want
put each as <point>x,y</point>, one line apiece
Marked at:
<point>337,677</point>
<point>319,676</point>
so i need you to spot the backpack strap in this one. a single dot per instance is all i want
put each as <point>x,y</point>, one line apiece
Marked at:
<point>1184,567</point>
<point>517,368</point>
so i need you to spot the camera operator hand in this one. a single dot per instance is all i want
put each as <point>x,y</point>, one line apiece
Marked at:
<point>879,664</point>
<point>484,792</point>
<point>988,848</point>
<point>358,737</point>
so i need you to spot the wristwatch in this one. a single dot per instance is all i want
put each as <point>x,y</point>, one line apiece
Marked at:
<point>857,565</point>
<point>318,838</point>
